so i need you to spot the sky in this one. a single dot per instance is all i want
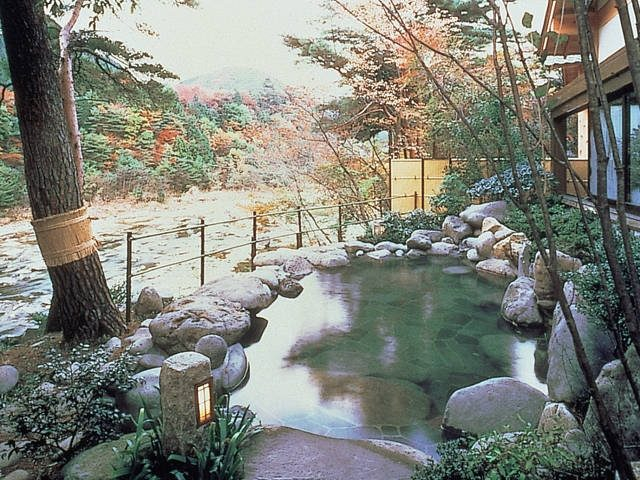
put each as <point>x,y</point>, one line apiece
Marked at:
<point>239,33</point>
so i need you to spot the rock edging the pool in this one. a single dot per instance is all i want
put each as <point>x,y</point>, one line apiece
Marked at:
<point>223,309</point>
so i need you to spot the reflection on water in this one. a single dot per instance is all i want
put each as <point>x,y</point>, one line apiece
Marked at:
<point>374,351</point>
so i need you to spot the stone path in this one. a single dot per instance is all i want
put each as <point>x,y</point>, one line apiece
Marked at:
<point>281,453</point>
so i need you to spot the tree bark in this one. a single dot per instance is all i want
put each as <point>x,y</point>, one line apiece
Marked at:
<point>81,306</point>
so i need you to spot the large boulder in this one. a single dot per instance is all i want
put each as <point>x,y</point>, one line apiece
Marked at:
<point>498,404</point>
<point>495,266</point>
<point>433,235</point>
<point>564,378</point>
<point>297,267</point>
<point>485,243</point>
<point>519,304</point>
<point>275,257</point>
<point>102,461</point>
<point>419,241</point>
<point>214,348</point>
<point>557,417</point>
<point>145,394</point>
<point>354,246</point>
<point>511,247</point>
<point>233,370</point>
<point>270,275</point>
<point>490,224</point>
<point>8,378</point>
<point>475,214</point>
<point>333,258</point>
<point>442,248</point>
<point>543,284</point>
<point>187,320</point>
<point>391,246</point>
<point>620,403</point>
<point>246,290</point>
<point>149,303</point>
<point>289,288</point>
<point>455,228</point>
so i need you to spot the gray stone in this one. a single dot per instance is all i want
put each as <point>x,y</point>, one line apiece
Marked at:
<point>391,246</point>
<point>469,242</point>
<point>18,475</point>
<point>146,394</point>
<point>503,233</point>
<point>413,253</point>
<point>494,266</point>
<point>485,244</point>
<point>9,377</point>
<point>543,284</point>
<point>297,267</point>
<point>150,360</point>
<point>490,224</point>
<point>232,371</point>
<point>399,253</point>
<point>353,246</point>
<point>275,257</point>
<point>511,247</point>
<point>149,303</point>
<point>433,235</point>
<point>455,228</point>
<point>564,378</point>
<point>498,404</point>
<point>270,275</point>
<point>214,347</point>
<point>448,240</point>
<point>419,241</point>
<point>246,290</point>
<point>141,345</point>
<point>7,457</point>
<point>475,214</point>
<point>442,248</point>
<point>519,304</point>
<point>113,344</point>
<point>100,462</point>
<point>620,403</point>
<point>187,320</point>
<point>473,256</point>
<point>379,254</point>
<point>328,259</point>
<point>289,288</point>
<point>178,376</point>
<point>557,417</point>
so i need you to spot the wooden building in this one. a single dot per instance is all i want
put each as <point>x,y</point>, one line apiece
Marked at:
<point>569,105</point>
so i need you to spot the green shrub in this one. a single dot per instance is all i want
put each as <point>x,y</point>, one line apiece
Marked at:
<point>398,228</point>
<point>220,458</point>
<point>567,226</point>
<point>528,455</point>
<point>65,406</point>
<point>452,197</point>
<point>593,294</point>
<point>12,186</point>
<point>492,187</point>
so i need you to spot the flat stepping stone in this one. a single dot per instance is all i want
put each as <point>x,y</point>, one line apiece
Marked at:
<point>457,270</point>
<point>281,452</point>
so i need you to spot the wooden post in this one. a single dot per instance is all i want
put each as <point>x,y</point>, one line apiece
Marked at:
<point>415,200</point>
<point>128,275</point>
<point>422,192</point>
<point>339,223</point>
<point>202,250</point>
<point>299,234</point>
<point>254,237</point>
<point>558,170</point>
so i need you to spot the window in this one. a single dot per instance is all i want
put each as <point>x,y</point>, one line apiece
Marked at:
<point>625,116</point>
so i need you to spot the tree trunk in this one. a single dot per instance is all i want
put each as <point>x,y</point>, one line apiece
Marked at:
<point>81,306</point>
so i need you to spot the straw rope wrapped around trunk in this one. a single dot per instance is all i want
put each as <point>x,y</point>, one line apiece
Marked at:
<point>66,237</point>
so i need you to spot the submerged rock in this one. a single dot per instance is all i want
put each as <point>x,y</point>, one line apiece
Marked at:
<point>289,288</point>
<point>498,404</point>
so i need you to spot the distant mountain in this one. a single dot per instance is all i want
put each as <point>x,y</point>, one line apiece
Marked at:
<point>240,79</point>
